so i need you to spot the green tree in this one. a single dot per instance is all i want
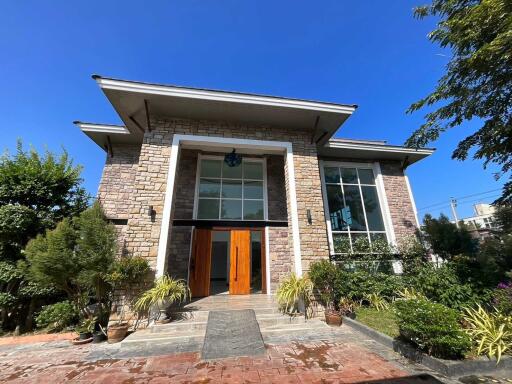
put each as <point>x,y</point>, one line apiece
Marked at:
<point>36,192</point>
<point>477,84</point>
<point>75,257</point>
<point>446,239</point>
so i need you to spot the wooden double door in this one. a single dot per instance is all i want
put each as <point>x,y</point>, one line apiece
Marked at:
<point>240,257</point>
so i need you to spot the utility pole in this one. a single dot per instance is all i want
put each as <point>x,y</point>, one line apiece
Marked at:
<point>453,204</point>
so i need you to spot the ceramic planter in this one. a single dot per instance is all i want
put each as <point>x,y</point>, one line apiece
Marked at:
<point>116,333</point>
<point>333,318</point>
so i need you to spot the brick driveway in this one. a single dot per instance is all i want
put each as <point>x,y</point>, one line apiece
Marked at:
<point>318,362</point>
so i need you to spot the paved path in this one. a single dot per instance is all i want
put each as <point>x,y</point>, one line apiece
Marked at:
<point>348,357</point>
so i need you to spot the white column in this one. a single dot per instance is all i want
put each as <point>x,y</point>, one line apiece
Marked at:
<point>292,195</point>
<point>161,260</point>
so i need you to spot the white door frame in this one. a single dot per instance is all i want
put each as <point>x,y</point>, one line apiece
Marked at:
<point>212,142</point>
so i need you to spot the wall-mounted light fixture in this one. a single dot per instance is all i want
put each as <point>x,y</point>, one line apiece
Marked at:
<point>151,212</point>
<point>310,219</point>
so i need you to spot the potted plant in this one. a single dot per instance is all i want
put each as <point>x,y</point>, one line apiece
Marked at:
<point>84,331</point>
<point>166,291</point>
<point>117,332</point>
<point>294,295</point>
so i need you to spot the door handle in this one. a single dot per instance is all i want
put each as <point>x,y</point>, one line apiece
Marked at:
<point>236,265</point>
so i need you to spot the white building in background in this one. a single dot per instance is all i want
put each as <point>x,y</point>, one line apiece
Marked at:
<point>483,218</point>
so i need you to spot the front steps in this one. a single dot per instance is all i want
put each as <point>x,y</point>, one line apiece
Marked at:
<point>190,327</point>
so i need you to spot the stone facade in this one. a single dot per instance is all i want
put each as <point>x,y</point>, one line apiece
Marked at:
<point>135,178</point>
<point>399,200</point>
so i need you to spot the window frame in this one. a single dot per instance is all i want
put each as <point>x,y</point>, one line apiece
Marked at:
<point>381,195</point>
<point>262,161</point>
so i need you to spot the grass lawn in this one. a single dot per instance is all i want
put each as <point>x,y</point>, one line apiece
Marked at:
<point>382,321</point>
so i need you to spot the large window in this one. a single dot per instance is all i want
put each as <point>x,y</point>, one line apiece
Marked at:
<point>231,193</point>
<point>355,228</point>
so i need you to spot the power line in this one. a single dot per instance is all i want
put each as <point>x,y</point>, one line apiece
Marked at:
<point>448,205</point>
<point>459,198</point>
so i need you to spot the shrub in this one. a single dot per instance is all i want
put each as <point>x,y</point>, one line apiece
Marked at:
<point>442,285</point>
<point>433,327</point>
<point>57,316</point>
<point>292,290</point>
<point>490,331</point>
<point>502,298</point>
<point>335,282</point>
<point>375,300</point>
<point>128,270</point>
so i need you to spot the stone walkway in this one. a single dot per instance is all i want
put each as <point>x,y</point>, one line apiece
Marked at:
<point>319,362</point>
<point>341,355</point>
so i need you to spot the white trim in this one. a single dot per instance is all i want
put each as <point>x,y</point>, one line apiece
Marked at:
<point>413,202</point>
<point>294,211</point>
<point>161,259</point>
<point>378,148</point>
<point>166,90</point>
<point>267,260</point>
<point>102,128</point>
<point>211,142</point>
<point>326,207</point>
<point>383,200</point>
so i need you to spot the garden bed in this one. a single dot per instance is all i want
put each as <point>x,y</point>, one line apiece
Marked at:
<point>454,368</point>
<point>383,321</point>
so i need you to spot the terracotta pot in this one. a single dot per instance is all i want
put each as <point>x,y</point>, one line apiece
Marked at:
<point>333,318</point>
<point>116,333</point>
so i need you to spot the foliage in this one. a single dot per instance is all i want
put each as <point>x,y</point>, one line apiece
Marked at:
<point>75,256</point>
<point>432,327</point>
<point>383,321</point>
<point>332,282</point>
<point>7,300</point>
<point>292,290</point>
<point>477,82</point>
<point>412,252</point>
<point>347,306</point>
<point>490,331</point>
<point>166,291</point>
<point>17,224</point>
<point>502,298</point>
<point>442,285</point>
<point>410,293</point>
<point>375,300</point>
<point>128,270</point>
<point>87,325</point>
<point>446,240</point>
<point>57,316</point>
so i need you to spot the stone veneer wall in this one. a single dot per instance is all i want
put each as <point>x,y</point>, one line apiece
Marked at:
<point>143,233</point>
<point>399,201</point>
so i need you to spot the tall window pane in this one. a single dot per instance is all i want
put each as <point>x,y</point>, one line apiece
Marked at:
<point>253,190</point>
<point>208,209</point>
<point>332,175</point>
<point>335,201</point>
<point>232,188</point>
<point>210,168</point>
<point>231,172</point>
<point>353,200</point>
<point>371,204</point>
<point>209,188</point>
<point>349,175</point>
<point>253,171</point>
<point>366,176</point>
<point>231,209</point>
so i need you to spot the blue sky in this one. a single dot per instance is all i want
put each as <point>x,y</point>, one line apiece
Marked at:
<point>374,54</point>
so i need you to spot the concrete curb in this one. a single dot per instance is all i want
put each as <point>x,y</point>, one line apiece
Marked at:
<point>452,368</point>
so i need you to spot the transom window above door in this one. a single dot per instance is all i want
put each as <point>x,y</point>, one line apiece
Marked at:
<point>230,193</point>
<point>353,189</point>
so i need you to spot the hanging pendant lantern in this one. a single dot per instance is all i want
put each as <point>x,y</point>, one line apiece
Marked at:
<point>233,159</point>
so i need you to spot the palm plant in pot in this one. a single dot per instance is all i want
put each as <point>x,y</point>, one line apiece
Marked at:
<point>294,295</point>
<point>166,291</point>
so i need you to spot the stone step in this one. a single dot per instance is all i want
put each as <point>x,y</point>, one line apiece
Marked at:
<point>141,336</point>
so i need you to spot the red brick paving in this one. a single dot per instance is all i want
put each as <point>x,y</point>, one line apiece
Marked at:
<point>291,364</point>
<point>43,338</point>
